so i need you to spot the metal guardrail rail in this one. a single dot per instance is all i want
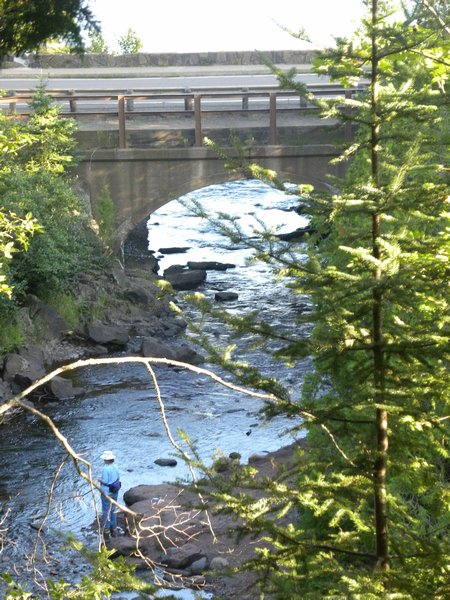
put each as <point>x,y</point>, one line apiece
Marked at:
<point>122,104</point>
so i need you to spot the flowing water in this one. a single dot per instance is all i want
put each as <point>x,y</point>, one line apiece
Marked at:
<point>118,410</point>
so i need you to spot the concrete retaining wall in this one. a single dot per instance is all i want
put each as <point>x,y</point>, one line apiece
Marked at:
<point>169,59</point>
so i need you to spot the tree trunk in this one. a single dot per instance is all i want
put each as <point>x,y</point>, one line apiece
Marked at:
<point>380,466</point>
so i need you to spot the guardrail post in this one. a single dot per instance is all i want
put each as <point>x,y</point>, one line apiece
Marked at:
<point>188,99</point>
<point>273,137</point>
<point>72,102</point>
<point>198,119</point>
<point>12,105</point>
<point>244,98</point>
<point>121,113</point>
<point>130,101</point>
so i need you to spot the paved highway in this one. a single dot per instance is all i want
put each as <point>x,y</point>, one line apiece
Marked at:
<point>148,83</point>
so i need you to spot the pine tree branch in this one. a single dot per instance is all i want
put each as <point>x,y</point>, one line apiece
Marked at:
<point>437,16</point>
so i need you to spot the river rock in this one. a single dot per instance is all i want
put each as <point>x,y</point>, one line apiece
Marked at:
<point>226,296</point>
<point>151,347</point>
<point>107,334</point>
<point>174,326</point>
<point>186,280</point>
<point>219,563</point>
<point>166,462</point>
<point>119,276</point>
<point>183,556</point>
<point>139,295</point>
<point>174,269</point>
<point>200,565</point>
<point>5,393</point>
<point>55,325</point>
<point>234,456</point>
<point>174,250</point>
<point>210,265</point>
<point>62,388</point>
<point>257,457</point>
<point>297,234</point>
<point>127,546</point>
<point>24,367</point>
<point>149,492</point>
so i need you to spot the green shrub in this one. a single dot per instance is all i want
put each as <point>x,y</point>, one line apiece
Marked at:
<point>67,245</point>
<point>106,215</point>
<point>11,335</point>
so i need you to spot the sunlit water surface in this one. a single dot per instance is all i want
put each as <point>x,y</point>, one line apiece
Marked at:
<point>119,411</point>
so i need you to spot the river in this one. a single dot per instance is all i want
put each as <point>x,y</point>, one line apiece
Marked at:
<point>119,409</point>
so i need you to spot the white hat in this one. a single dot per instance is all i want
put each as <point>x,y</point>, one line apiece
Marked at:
<point>108,455</point>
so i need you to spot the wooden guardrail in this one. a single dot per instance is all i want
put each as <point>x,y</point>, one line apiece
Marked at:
<point>117,103</point>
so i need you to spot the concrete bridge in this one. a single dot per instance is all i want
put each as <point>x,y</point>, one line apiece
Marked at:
<point>142,180</point>
<point>147,146</point>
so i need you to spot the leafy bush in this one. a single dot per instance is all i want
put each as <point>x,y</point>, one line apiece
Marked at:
<point>130,43</point>
<point>66,246</point>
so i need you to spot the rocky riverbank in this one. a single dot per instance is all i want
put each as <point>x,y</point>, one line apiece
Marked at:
<point>180,533</point>
<point>133,315</point>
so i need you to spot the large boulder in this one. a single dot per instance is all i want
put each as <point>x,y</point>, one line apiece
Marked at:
<point>149,492</point>
<point>186,280</point>
<point>27,366</point>
<point>62,388</point>
<point>166,462</point>
<point>139,295</point>
<point>226,296</point>
<point>24,367</point>
<point>131,546</point>
<point>5,391</point>
<point>152,347</point>
<point>108,335</point>
<point>54,324</point>
<point>183,556</point>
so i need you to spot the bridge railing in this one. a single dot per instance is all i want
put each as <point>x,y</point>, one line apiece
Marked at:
<point>124,105</point>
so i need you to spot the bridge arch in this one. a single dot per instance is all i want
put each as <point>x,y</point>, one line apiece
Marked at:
<point>142,180</point>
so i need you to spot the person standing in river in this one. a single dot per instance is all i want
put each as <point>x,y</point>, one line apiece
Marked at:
<point>110,484</point>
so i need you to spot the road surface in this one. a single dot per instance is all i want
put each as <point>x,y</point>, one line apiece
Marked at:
<point>192,82</point>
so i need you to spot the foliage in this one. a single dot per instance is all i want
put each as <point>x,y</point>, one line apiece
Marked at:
<point>25,26</point>
<point>15,233</point>
<point>129,43</point>
<point>66,245</point>
<point>106,215</point>
<point>369,510</point>
<point>44,142</point>
<point>45,233</point>
<point>11,333</point>
<point>97,43</point>
<point>32,182</point>
<point>55,46</point>
<point>107,576</point>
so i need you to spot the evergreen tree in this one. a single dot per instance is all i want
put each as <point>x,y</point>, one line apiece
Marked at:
<point>371,495</point>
